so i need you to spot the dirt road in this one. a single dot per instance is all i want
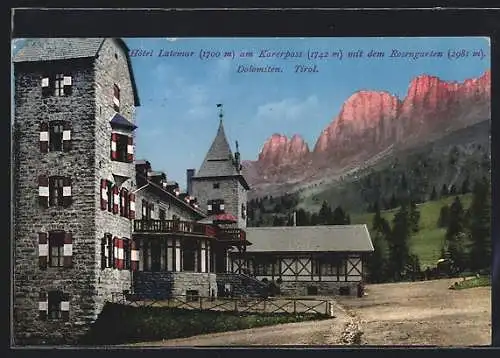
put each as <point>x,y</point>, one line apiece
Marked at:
<point>417,313</point>
<point>423,313</point>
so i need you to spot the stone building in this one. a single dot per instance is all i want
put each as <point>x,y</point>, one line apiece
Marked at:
<point>73,149</point>
<point>92,222</point>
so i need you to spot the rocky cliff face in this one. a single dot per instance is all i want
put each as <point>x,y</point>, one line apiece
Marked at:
<point>370,122</point>
<point>279,150</point>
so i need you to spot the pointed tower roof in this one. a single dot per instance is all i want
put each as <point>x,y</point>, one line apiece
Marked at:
<point>219,160</point>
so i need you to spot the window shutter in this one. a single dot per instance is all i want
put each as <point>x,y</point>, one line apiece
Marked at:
<point>104,253</point>
<point>66,136</point>
<point>131,212</point>
<point>114,140</point>
<point>221,206</point>
<point>104,194</point>
<point>116,199</point>
<point>68,250</point>
<point>65,307</point>
<point>116,97</point>
<point>67,198</point>
<point>209,208</point>
<point>44,137</point>
<point>115,252</point>
<point>121,256</point>
<point>134,256</point>
<point>43,306</point>
<point>130,149</point>
<point>43,190</point>
<point>43,250</point>
<point>45,82</point>
<point>67,81</point>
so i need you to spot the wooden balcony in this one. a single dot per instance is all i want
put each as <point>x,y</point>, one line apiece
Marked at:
<point>174,227</point>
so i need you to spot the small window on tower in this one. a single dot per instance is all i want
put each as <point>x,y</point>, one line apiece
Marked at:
<point>216,185</point>
<point>56,187</point>
<point>56,249</point>
<point>59,85</point>
<point>54,305</point>
<point>56,136</point>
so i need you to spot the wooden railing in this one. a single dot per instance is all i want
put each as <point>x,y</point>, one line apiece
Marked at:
<point>323,307</point>
<point>186,227</point>
<point>173,226</point>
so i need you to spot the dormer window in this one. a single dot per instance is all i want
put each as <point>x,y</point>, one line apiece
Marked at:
<point>116,98</point>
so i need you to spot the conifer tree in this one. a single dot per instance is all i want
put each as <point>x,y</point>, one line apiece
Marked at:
<point>325,214</point>
<point>480,226</point>
<point>399,243</point>
<point>433,194</point>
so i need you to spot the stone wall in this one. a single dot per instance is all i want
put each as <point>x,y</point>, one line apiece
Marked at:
<point>162,285</point>
<point>325,288</point>
<point>110,69</point>
<point>30,218</point>
<point>240,285</point>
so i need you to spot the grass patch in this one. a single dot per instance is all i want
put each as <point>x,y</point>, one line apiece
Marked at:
<point>481,281</point>
<point>120,324</point>
<point>426,243</point>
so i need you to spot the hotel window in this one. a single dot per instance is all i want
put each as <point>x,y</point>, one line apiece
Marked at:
<point>216,186</point>
<point>56,249</point>
<point>332,267</point>
<point>54,304</point>
<point>263,269</point>
<point>111,195</point>
<point>58,85</point>
<point>56,136</point>
<point>124,203</point>
<point>162,214</point>
<point>122,148</point>
<point>215,206</point>
<point>126,254</point>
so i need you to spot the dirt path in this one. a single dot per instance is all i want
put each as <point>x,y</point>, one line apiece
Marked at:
<point>323,332</point>
<point>423,313</point>
<point>416,313</point>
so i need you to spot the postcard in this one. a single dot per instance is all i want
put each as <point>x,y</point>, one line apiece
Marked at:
<point>209,189</point>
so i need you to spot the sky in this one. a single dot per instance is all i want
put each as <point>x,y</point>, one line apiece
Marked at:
<point>178,117</point>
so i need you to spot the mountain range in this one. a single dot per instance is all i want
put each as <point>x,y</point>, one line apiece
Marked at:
<point>370,126</point>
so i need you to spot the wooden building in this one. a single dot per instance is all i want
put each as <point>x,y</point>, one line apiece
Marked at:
<point>307,259</point>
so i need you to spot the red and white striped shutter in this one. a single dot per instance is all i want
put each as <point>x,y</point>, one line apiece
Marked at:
<point>134,256</point>
<point>131,212</point>
<point>44,137</point>
<point>43,306</point>
<point>67,198</point>
<point>43,250</point>
<point>116,199</point>
<point>104,253</point>
<point>221,206</point>
<point>66,136</point>
<point>68,250</point>
<point>115,252</point>
<point>121,254</point>
<point>43,190</point>
<point>65,307</point>
<point>104,194</point>
<point>114,140</point>
<point>130,149</point>
<point>116,95</point>
<point>122,202</point>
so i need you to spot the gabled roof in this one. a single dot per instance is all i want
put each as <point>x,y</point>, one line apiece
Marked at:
<point>219,159</point>
<point>53,49</point>
<point>327,238</point>
<point>119,121</point>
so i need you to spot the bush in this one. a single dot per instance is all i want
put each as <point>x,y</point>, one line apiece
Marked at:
<point>118,324</point>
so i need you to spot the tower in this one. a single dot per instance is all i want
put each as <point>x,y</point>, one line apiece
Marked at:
<point>73,169</point>
<point>219,184</point>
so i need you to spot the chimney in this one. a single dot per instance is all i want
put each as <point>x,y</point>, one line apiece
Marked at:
<point>189,175</point>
